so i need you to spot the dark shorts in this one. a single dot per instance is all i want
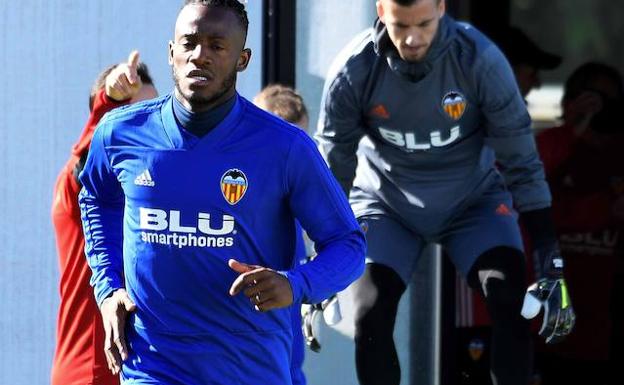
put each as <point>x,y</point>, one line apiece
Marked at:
<point>488,222</point>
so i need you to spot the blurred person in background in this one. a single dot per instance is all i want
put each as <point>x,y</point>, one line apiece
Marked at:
<point>423,125</point>
<point>473,342</point>
<point>527,59</point>
<point>79,356</point>
<point>285,102</point>
<point>584,162</point>
<point>288,104</point>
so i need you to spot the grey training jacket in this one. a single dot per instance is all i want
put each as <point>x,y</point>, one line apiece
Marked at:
<point>433,136</point>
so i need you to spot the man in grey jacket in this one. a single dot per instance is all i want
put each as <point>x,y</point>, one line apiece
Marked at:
<point>445,153</point>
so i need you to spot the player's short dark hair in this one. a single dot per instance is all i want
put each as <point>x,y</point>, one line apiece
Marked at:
<point>407,3</point>
<point>284,102</point>
<point>100,81</point>
<point>234,5</point>
<point>581,78</point>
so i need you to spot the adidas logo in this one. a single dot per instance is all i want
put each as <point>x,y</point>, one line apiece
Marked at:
<point>502,209</point>
<point>380,111</point>
<point>144,179</point>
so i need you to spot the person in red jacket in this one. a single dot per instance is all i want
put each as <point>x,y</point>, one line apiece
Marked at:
<point>79,355</point>
<point>584,163</point>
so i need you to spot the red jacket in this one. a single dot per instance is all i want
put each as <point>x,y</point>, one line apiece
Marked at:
<point>581,180</point>
<point>79,356</point>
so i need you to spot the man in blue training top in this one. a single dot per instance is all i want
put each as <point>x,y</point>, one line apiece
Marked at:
<point>191,199</point>
<point>443,142</point>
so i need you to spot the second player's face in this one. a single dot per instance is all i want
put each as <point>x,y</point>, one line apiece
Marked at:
<point>206,55</point>
<point>411,28</point>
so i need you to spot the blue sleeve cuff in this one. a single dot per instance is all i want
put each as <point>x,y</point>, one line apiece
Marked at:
<point>105,289</point>
<point>296,285</point>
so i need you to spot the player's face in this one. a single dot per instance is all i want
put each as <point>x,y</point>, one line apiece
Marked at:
<point>411,28</point>
<point>206,54</point>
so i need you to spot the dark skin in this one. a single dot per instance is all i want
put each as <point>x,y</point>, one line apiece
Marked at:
<point>206,55</point>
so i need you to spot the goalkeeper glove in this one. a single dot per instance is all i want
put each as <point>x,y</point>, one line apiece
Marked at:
<point>551,293</point>
<point>329,309</point>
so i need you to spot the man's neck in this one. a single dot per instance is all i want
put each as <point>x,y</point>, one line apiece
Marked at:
<point>199,123</point>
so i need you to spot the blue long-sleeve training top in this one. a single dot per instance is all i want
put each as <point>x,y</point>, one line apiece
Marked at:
<point>164,211</point>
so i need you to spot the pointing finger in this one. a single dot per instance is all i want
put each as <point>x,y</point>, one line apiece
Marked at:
<point>133,58</point>
<point>133,63</point>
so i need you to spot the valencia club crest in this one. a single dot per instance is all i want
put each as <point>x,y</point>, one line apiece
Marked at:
<point>454,104</point>
<point>233,185</point>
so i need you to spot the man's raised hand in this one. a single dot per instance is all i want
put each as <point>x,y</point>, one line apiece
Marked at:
<point>123,82</point>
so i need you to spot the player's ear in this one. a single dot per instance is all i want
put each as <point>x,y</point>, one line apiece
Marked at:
<point>441,7</point>
<point>380,11</point>
<point>170,56</point>
<point>243,60</point>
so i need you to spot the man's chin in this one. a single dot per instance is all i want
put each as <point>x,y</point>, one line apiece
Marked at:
<point>203,100</point>
<point>199,100</point>
<point>199,94</point>
<point>413,55</point>
<point>412,58</point>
